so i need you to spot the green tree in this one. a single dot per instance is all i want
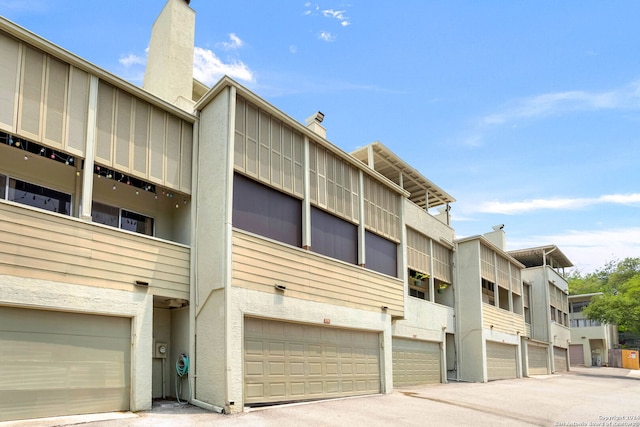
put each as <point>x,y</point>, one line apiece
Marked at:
<point>619,303</point>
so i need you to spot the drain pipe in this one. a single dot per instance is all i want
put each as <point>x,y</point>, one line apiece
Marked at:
<point>207,406</point>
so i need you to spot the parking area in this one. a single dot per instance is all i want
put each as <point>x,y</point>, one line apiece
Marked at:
<point>585,396</point>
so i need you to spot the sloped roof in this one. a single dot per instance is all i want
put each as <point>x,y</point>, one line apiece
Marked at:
<point>533,257</point>
<point>393,167</point>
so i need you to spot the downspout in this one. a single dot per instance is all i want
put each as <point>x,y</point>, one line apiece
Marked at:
<point>194,295</point>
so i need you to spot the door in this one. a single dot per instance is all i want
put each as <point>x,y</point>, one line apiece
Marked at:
<point>290,361</point>
<point>415,362</point>
<point>501,361</point>
<point>62,363</point>
<point>538,359</point>
<point>576,354</point>
<point>560,359</point>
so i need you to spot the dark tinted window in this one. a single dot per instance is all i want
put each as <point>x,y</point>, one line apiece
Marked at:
<point>265,211</point>
<point>39,197</point>
<point>382,254</point>
<point>334,237</point>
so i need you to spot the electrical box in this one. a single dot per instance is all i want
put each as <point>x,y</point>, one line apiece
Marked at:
<point>161,350</point>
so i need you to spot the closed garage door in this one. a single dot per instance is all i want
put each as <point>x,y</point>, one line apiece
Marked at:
<point>289,361</point>
<point>576,354</point>
<point>538,359</point>
<point>560,359</point>
<point>415,362</point>
<point>62,363</point>
<point>501,361</point>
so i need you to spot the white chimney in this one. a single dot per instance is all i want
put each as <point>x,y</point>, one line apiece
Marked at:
<point>313,123</point>
<point>169,72</point>
<point>497,236</point>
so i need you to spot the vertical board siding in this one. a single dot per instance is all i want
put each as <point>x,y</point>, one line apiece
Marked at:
<point>55,102</point>
<point>259,264</point>
<point>516,281</point>
<point>143,141</point>
<point>77,111</point>
<point>49,247</point>
<point>31,93</point>
<point>382,209</point>
<point>41,98</point>
<point>268,150</point>
<point>418,257</point>
<point>487,265</point>
<point>503,321</point>
<point>9,74</point>
<point>334,183</point>
<point>503,278</point>
<point>442,263</point>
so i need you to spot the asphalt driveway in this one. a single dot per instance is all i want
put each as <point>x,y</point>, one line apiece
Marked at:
<point>585,396</point>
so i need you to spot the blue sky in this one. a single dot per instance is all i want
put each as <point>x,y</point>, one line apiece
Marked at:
<point>528,113</point>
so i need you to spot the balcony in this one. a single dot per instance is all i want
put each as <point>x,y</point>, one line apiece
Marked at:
<point>259,264</point>
<point>49,246</point>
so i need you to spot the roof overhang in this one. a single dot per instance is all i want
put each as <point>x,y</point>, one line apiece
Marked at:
<point>397,170</point>
<point>533,257</point>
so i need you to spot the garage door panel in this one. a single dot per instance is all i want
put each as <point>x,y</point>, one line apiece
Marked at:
<point>560,359</point>
<point>538,359</point>
<point>317,362</point>
<point>501,361</point>
<point>415,362</point>
<point>69,363</point>
<point>576,354</point>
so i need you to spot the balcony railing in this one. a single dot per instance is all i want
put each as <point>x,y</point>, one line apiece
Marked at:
<point>49,246</point>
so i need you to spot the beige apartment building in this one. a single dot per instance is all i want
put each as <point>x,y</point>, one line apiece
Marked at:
<point>175,223</point>
<point>591,340</point>
<point>490,308</point>
<point>546,291</point>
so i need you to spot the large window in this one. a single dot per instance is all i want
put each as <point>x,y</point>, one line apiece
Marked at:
<point>36,196</point>
<point>382,254</point>
<point>576,307</point>
<point>488,292</point>
<point>418,284</point>
<point>124,219</point>
<point>334,237</point>
<point>265,211</point>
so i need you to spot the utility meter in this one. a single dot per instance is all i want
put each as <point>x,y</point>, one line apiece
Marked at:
<point>161,350</point>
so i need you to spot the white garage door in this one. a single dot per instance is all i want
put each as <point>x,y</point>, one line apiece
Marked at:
<point>501,361</point>
<point>62,363</point>
<point>538,359</point>
<point>289,361</point>
<point>415,362</point>
<point>560,359</point>
<point>576,354</point>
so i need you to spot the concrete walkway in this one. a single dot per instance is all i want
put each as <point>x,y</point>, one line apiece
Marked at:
<point>584,396</point>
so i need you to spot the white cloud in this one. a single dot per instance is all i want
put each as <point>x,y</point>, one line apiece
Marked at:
<point>208,68</point>
<point>234,43</point>
<point>554,104</point>
<point>588,250</point>
<point>132,59</point>
<point>511,208</point>
<point>337,14</point>
<point>326,36</point>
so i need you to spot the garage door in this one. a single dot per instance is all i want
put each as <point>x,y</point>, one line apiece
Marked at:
<point>576,354</point>
<point>289,361</point>
<point>62,363</point>
<point>538,359</point>
<point>560,359</point>
<point>501,361</point>
<point>415,362</point>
